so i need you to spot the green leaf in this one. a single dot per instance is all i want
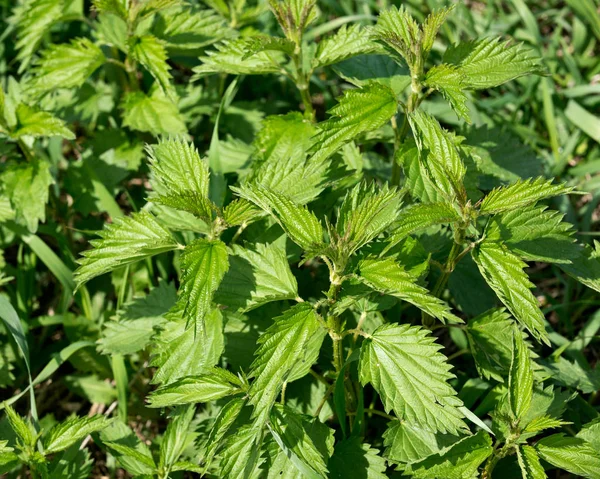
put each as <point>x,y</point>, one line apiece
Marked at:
<point>221,425</point>
<point>180,178</point>
<point>128,240</point>
<point>546,409</point>
<point>505,274</point>
<point>177,436</point>
<point>420,216</point>
<point>150,52</point>
<point>153,114</point>
<point>590,433</point>
<point>115,7</point>
<point>256,277</point>
<point>230,57</point>
<point>304,440</point>
<point>418,178</point>
<point>520,377</point>
<point>573,374</point>
<point>66,65</point>
<point>519,194</point>
<point>266,43</point>
<point>490,337</point>
<point>359,111</point>
<point>431,26</point>
<point>529,462</point>
<point>26,185</point>
<point>282,137</point>
<point>586,267</point>
<point>36,123</point>
<point>449,81</point>
<point>281,347</point>
<point>399,32</point>
<point>294,16</point>
<point>141,10</point>
<point>366,212</point>
<point>442,159</point>
<point>217,383</point>
<point>571,454</point>
<point>389,277</point>
<point>128,336</point>
<point>179,351</point>
<point>299,223</point>
<point>241,455</point>
<point>362,69</point>
<point>130,452</point>
<point>405,367</point>
<point>33,19</point>
<point>241,212</point>
<point>65,434</point>
<point>347,42</point>
<point>23,429</point>
<point>459,461</point>
<point>353,459</point>
<point>490,62</point>
<point>203,265</point>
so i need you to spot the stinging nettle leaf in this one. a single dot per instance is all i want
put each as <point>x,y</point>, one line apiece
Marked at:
<point>404,365</point>
<point>571,454</point>
<point>67,433</point>
<point>449,81</point>
<point>520,377</point>
<point>150,52</point>
<point>241,454</point>
<point>399,32</point>
<point>36,123</point>
<point>154,114</point>
<point>529,462</point>
<point>505,274</point>
<point>347,42</point>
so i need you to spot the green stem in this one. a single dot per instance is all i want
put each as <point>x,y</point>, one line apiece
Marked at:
<point>400,134</point>
<point>303,82</point>
<point>25,149</point>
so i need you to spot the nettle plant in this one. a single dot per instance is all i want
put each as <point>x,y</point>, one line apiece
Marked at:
<point>297,365</point>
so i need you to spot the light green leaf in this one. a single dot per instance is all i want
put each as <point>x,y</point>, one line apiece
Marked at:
<point>431,26</point>
<point>266,43</point>
<point>490,62</point>
<point>361,69</point>
<point>519,194</point>
<point>150,52</point>
<point>180,178</point>
<point>520,377</point>
<point>590,433</point>
<point>128,336</point>
<point>36,123</point>
<point>294,16</point>
<point>389,277</point>
<point>407,443</point>
<point>529,462</point>
<point>571,454</point>
<point>405,367</point>
<point>241,212</point>
<point>177,436</point>
<point>585,268</point>
<point>179,351</point>
<point>256,277</point>
<point>399,32</point>
<point>203,265</point>
<point>359,111</point>
<point>281,347</point>
<point>154,114</point>
<point>230,57</point>
<point>459,461</point>
<point>353,459</point>
<point>573,375</point>
<point>221,425</point>
<point>418,179</point>
<point>115,7</point>
<point>241,455</point>
<point>449,81</point>
<point>217,383</point>
<point>347,42</point>
<point>128,240</point>
<point>130,452</point>
<point>67,433</point>
<point>298,222</point>
<point>141,10</point>
<point>366,212</point>
<point>22,428</point>
<point>66,65</point>
<point>420,216</point>
<point>26,185</point>
<point>505,274</point>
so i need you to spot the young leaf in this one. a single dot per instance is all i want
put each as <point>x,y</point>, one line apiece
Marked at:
<point>281,347</point>
<point>267,43</point>
<point>520,377</point>
<point>181,351</point>
<point>283,137</point>
<point>347,42</point>
<point>217,383</point>
<point>128,240</point>
<point>256,278</point>
<point>176,437</point>
<point>442,160</point>
<point>399,32</point>
<point>387,276</point>
<point>366,212</point>
<point>23,429</point>
<point>405,367</point>
<point>461,460</point>
<point>520,194</point>
<point>449,81</point>
<point>529,462</point>
<point>180,177</point>
<point>154,114</point>
<point>150,52</point>
<point>503,271</point>
<point>359,111</point>
<point>241,455</point>
<point>299,223</point>
<point>32,122</point>
<point>203,265</point>
<point>114,7</point>
<point>129,451</point>
<point>67,433</point>
<point>26,185</point>
<point>294,16</point>
<point>230,57</point>
<point>420,216</point>
<point>221,425</point>
<point>571,454</point>
<point>431,26</point>
<point>241,212</point>
<point>67,65</point>
<point>490,62</point>
<point>419,181</point>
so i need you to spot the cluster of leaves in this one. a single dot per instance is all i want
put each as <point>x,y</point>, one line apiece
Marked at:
<point>316,288</point>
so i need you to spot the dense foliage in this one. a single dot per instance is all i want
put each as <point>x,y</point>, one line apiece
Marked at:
<point>291,238</point>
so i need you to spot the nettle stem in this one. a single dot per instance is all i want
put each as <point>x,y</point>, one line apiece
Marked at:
<point>303,81</point>
<point>414,100</point>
